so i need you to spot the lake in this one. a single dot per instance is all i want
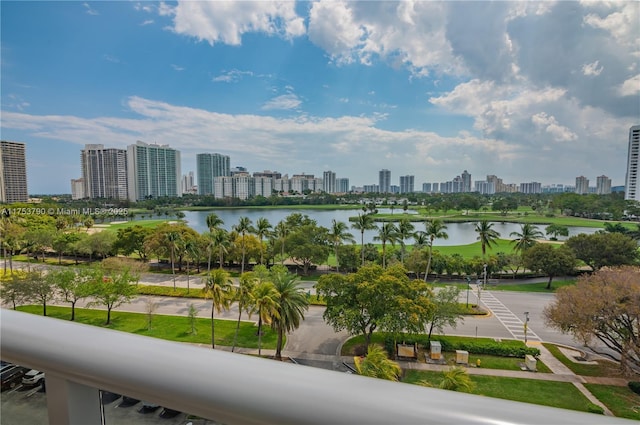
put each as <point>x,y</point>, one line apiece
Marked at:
<point>459,233</point>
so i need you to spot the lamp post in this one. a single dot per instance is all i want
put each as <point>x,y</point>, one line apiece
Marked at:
<point>526,325</point>
<point>484,272</point>
<point>468,282</point>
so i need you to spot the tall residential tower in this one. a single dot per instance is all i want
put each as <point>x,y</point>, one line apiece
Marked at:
<point>632,188</point>
<point>154,171</point>
<point>209,166</point>
<point>13,172</point>
<point>104,172</point>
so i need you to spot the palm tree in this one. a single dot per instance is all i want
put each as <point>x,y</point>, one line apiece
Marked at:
<point>405,231</point>
<point>434,229</point>
<point>173,240</point>
<point>387,233</point>
<point>486,235</point>
<point>221,241</point>
<point>263,228</point>
<point>219,287</point>
<point>362,223</point>
<point>243,227</point>
<point>265,303</point>
<point>377,364</point>
<point>291,305</point>
<point>244,297</point>
<point>191,250</point>
<point>281,231</point>
<point>337,235</point>
<point>526,238</point>
<point>213,223</point>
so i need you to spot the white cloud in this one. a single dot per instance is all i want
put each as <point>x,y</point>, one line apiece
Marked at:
<point>89,9</point>
<point>591,69</point>
<point>620,19</point>
<point>177,67</point>
<point>549,124</point>
<point>110,58</point>
<point>285,101</point>
<point>226,22</point>
<point>146,22</point>
<point>630,87</point>
<point>232,76</point>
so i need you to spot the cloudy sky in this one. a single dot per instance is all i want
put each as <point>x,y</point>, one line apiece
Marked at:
<point>527,91</point>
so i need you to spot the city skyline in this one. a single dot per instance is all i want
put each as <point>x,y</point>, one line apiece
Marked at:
<point>533,91</point>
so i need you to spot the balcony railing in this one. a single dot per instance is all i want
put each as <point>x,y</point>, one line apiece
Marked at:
<point>234,388</point>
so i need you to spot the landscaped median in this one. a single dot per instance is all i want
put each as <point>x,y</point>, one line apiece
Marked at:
<point>173,328</point>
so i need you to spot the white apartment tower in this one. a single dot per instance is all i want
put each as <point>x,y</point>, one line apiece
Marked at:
<point>154,171</point>
<point>603,185</point>
<point>384,181</point>
<point>329,182</point>
<point>104,172</point>
<point>407,184</point>
<point>582,185</point>
<point>632,185</point>
<point>13,172</point>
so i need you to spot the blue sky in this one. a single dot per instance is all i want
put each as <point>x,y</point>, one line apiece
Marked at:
<point>535,91</point>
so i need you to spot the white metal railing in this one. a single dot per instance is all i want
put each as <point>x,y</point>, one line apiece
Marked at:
<point>233,388</point>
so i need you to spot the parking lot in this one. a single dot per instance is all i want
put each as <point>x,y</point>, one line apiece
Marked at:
<point>28,406</point>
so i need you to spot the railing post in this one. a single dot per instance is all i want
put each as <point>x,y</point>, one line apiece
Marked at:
<point>70,403</point>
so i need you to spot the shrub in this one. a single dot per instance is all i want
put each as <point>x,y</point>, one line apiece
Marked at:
<point>473,347</point>
<point>635,386</point>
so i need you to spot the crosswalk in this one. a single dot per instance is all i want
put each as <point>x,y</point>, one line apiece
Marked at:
<point>514,325</point>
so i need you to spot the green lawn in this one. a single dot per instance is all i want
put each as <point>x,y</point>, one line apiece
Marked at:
<point>603,368</point>
<point>173,328</point>
<point>533,287</point>
<point>152,223</point>
<point>548,393</point>
<point>495,362</point>
<point>621,401</point>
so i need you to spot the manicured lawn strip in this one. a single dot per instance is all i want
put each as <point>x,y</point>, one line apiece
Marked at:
<point>494,362</point>
<point>603,368</point>
<point>475,249</point>
<point>548,393</point>
<point>277,207</point>
<point>173,328</point>
<point>533,287</point>
<point>622,402</point>
<point>152,223</point>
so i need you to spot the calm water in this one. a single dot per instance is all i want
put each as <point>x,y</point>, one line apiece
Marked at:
<point>459,233</point>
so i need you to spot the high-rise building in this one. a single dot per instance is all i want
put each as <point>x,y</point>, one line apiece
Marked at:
<point>342,185</point>
<point>582,185</point>
<point>632,185</point>
<point>533,187</point>
<point>435,187</point>
<point>329,182</point>
<point>426,187</point>
<point>208,167</point>
<point>603,185</point>
<point>105,172</point>
<point>466,181</point>
<point>77,188</point>
<point>484,187</point>
<point>406,184</point>
<point>384,181</point>
<point>13,172</point>
<point>188,183</point>
<point>154,171</point>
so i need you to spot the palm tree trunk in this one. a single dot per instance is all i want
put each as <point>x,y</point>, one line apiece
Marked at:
<point>209,263</point>
<point>426,273</point>
<point>235,337</point>
<point>384,255</point>
<point>337,262</point>
<point>213,330</point>
<point>279,343</point>
<point>362,246</point>
<point>243,254</point>
<point>259,334</point>
<point>173,269</point>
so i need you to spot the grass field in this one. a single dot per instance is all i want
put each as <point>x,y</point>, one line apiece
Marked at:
<point>533,287</point>
<point>173,328</point>
<point>548,393</point>
<point>621,401</point>
<point>603,368</point>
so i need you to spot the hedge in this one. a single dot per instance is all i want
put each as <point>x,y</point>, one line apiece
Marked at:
<point>473,347</point>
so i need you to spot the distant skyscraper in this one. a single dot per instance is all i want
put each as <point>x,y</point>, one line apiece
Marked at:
<point>426,187</point>
<point>466,181</point>
<point>188,183</point>
<point>77,188</point>
<point>329,182</point>
<point>104,172</point>
<point>632,187</point>
<point>582,185</point>
<point>208,167</point>
<point>384,181</point>
<point>13,172</point>
<point>154,171</point>
<point>406,184</point>
<point>435,187</point>
<point>533,187</point>
<point>603,185</point>
<point>342,185</point>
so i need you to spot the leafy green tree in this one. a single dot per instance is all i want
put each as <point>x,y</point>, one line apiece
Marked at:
<point>349,257</point>
<point>434,229</point>
<point>281,232</point>
<point>213,222</point>
<point>173,241</point>
<point>291,304</point>
<point>604,249</point>
<point>487,236</point>
<point>244,297</point>
<point>112,289</point>
<point>445,311</point>
<point>337,235</point>
<point>377,365</point>
<point>265,303</point>
<point>549,260</point>
<point>387,233</point>
<point>38,288</point>
<point>243,227</point>
<point>556,230</point>
<point>363,223</point>
<point>262,230</point>
<point>222,242</point>
<point>219,287</point>
<point>13,288</point>
<point>406,231</point>
<point>130,240</point>
<point>309,244</point>
<point>526,238</point>
<point>73,285</point>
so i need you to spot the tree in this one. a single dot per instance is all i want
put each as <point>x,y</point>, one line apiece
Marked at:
<point>337,235</point>
<point>603,306</point>
<point>363,222</point>
<point>73,285</point>
<point>243,227</point>
<point>487,236</point>
<point>387,233</point>
<point>549,260</point>
<point>405,231</point>
<point>219,287</point>
<point>434,229</point>
<point>131,240</point>
<point>213,222</point>
<point>526,238</point>
<point>604,249</point>
<point>556,230</point>
<point>281,231</point>
<point>456,379</point>
<point>244,297</point>
<point>309,244</point>
<point>291,304</point>
<point>265,303</point>
<point>112,289</point>
<point>173,241</point>
<point>445,311</point>
<point>38,288</point>
<point>13,288</point>
<point>221,241</point>
<point>262,230</point>
<point>377,365</point>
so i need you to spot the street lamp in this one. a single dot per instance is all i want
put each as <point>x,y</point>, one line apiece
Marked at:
<point>526,325</point>
<point>468,282</point>
<point>485,275</point>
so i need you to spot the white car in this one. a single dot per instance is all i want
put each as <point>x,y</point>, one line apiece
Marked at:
<point>33,377</point>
